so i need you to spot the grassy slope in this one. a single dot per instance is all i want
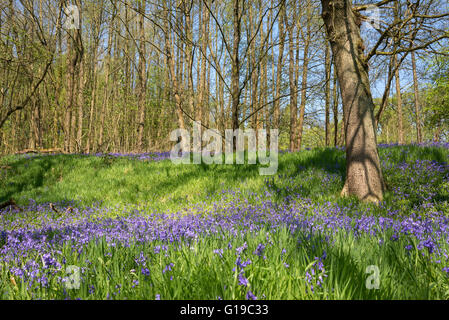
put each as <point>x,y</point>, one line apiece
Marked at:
<point>163,185</point>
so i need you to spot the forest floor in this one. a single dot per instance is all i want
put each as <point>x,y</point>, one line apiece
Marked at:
<point>140,227</point>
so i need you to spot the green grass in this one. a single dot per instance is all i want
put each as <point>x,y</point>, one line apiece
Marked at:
<point>165,186</point>
<point>110,181</point>
<point>198,272</point>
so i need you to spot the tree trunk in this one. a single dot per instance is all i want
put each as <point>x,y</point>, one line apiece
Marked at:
<point>398,82</point>
<point>293,83</point>
<point>171,67</point>
<point>202,83</point>
<point>71,63</point>
<point>399,102</point>
<point>335,107</point>
<point>142,78</point>
<point>81,81</point>
<point>363,172</point>
<point>235,69</point>
<point>305,69</point>
<point>417,104</point>
<point>327,60</point>
<point>105,104</point>
<point>277,102</point>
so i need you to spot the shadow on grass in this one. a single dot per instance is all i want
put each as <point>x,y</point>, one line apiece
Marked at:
<point>26,174</point>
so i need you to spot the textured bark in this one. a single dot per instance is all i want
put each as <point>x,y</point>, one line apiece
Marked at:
<point>363,172</point>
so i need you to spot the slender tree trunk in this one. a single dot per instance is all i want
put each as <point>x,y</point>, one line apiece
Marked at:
<point>399,102</point>
<point>106,91</point>
<point>81,81</point>
<point>202,82</point>
<point>90,135</point>
<point>141,77</point>
<point>363,172</point>
<point>335,107</point>
<point>398,82</point>
<point>417,102</point>
<point>235,69</point>
<point>305,69</point>
<point>71,63</point>
<point>255,74</point>
<point>293,83</point>
<point>277,102</point>
<point>327,94</point>
<point>171,67</point>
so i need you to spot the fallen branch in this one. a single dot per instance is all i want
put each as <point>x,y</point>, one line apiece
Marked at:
<point>54,150</point>
<point>11,203</point>
<point>52,207</point>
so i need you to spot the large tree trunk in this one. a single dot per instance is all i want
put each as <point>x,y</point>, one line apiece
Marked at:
<point>363,172</point>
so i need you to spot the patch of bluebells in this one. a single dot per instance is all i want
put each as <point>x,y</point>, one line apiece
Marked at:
<point>44,237</point>
<point>316,274</point>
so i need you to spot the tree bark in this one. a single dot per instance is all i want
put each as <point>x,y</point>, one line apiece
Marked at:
<point>363,172</point>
